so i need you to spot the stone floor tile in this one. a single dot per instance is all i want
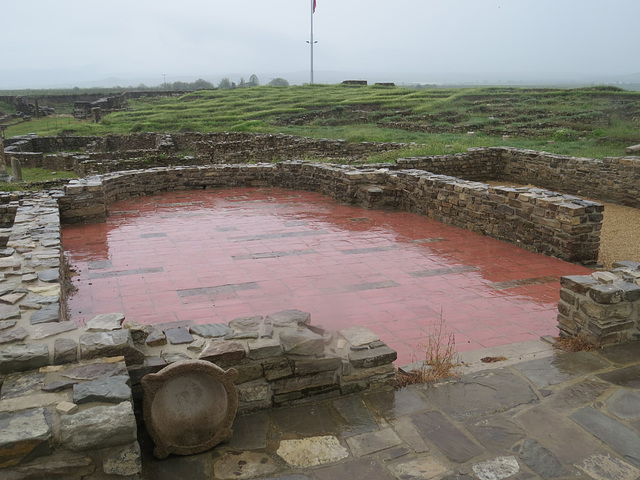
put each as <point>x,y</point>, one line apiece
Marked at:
<point>250,431</point>
<point>621,354</point>
<point>497,468</point>
<point>409,434</point>
<point>561,367</point>
<point>393,404</point>
<point>541,460</point>
<point>616,435</point>
<point>624,404</point>
<point>360,469</point>
<point>312,451</point>
<point>607,467</point>
<point>371,442</point>
<point>577,395</point>
<point>625,377</point>
<point>491,390</point>
<point>307,420</point>
<point>564,438</point>
<point>496,433</point>
<point>422,467</point>
<point>447,437</point>
<point>357,418</point>
<point>244,465</point>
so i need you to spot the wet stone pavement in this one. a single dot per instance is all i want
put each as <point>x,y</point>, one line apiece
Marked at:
<point>201,257</point>
<point>552,416</point>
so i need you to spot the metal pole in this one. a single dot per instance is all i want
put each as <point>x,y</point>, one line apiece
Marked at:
<point>311,42</point>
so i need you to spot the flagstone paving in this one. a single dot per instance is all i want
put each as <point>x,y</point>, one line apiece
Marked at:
<point>202,257</point>
<point>491,423</point>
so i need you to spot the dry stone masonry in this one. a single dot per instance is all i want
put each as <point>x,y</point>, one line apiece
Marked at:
<point>604,307</point>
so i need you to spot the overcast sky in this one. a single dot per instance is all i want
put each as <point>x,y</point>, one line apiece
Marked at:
<point>51,43</point>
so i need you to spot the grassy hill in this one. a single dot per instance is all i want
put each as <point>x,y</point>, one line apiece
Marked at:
<point>593,122</point>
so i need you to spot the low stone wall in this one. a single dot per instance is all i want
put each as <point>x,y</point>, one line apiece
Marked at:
<point>604,307</point>
<point>541,221</point>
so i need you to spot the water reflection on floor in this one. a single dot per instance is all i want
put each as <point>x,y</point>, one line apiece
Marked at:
<point>212,256</point>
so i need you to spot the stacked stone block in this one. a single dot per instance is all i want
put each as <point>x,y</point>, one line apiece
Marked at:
<point>603,307</point>
<point>74,421</point>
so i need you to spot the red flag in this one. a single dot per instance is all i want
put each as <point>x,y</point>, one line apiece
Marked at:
<point>314,6</point>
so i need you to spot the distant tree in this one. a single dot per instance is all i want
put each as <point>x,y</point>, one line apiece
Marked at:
<point>279,82</point>
<point>242,83</point>
<point>201,84</point>
<point>225,83</point>
<point>253,81</point>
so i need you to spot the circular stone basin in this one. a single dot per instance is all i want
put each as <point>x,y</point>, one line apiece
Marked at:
<point>189,407</point>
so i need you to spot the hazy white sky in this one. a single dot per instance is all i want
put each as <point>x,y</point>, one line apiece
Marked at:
<point>70,42</point>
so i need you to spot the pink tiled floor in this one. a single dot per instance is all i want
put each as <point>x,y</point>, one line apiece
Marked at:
<point>210,257</point>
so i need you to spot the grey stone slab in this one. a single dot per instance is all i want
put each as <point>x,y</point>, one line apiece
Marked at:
<point>561,367</point>
<point>289,318</point>
<point>307,420</point>
<point>624,377</point>
<point>95,370</point>
<point>46,300</point>
<point>624,404</point>
<point>178,336</point>
<point>98,427</point>
<point>47,314</point>
<point>18,358</point>
<point>8,312</point>
<point>366,443</point>
<point>315,365</point>
<point>50,275</point>
<point>211,330</point>
<point>156,338</point>
<point>608,467</point>
<point>195,467</point>
<point>264,348</point>
<point>244,465</point>
<point>409,434</point>
<point>14,335</point>
<point>616,435</point>
<point>496,433</point>
<point>312,451</point>
<point>372,357</point>
<point>482,393</point>
<point>250,431</point>
<point>392,404</point>
<point>242,336</point>
<point>59,465</point>
<point>393,453</point>
<point>4,324</point>
<point>110,344</point>
<point>105,322</point>
<point>106,390</point>
<point>358,336</point>
<point>422,467</point>
<point>223,353</point>
<point>122,461</point>
<point>24,434</point>
<point>541,460</point>
<point>65,350</point>
<point>356,417</point>
<point>23,384</point>
<point>496,468</point>
<point>562,437</point>
<point>448,438</point>
<point>45,330</point>
<point>577,395</point>
<point>360,469</point>
<point>301,342</point>
<point>622,354</point>
<point>59,385</point>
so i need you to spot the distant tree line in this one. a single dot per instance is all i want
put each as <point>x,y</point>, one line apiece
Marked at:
<point>226,83</point>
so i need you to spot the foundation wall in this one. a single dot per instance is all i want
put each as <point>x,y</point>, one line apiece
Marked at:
<point>537,220</point>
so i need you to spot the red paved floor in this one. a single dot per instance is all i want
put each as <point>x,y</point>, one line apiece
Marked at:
<point>210,257</point>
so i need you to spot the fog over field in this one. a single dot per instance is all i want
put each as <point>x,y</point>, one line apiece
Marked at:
<point>65,43</point>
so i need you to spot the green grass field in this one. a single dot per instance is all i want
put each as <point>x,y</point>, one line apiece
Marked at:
<point>590,122</point>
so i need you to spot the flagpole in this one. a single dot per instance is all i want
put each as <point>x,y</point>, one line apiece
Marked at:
<point>311,40</point>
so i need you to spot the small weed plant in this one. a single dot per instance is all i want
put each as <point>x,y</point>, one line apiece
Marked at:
<point>440,359</point>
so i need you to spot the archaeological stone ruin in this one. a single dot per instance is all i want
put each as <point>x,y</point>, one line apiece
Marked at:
<point>70,395</point>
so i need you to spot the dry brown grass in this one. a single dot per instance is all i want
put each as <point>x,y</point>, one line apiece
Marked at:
<point>580,343</point>
<point>440,359</point>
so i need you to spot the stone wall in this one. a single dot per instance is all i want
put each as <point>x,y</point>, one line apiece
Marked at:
<point>603,307</point>
<point>537,220</point>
